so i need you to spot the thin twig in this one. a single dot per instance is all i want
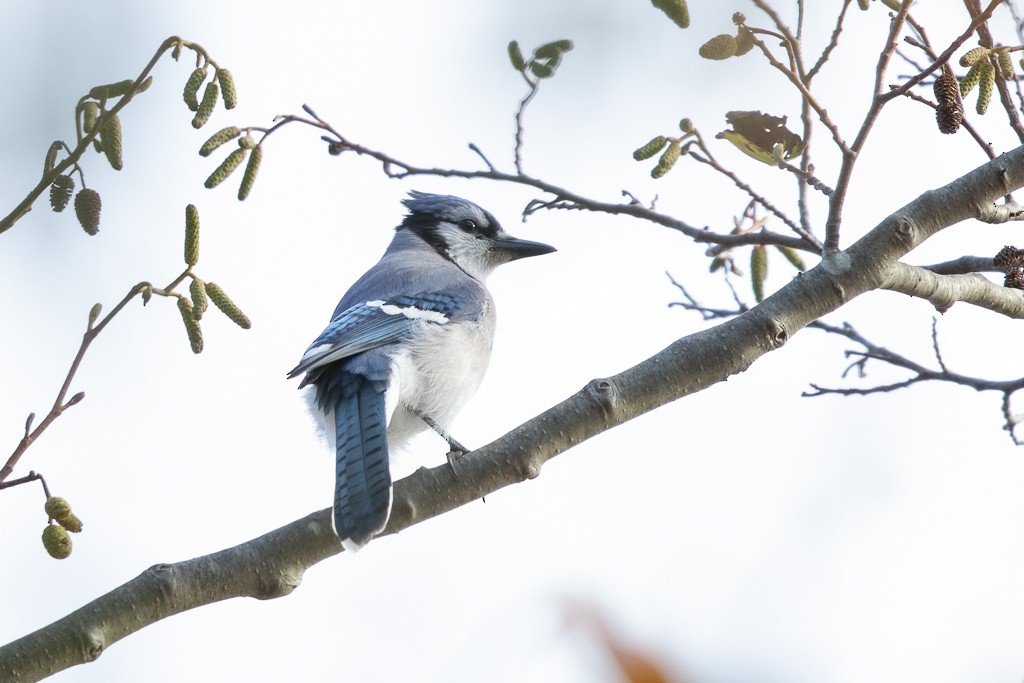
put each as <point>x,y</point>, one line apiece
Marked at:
<point>1012,421</point>
<point>520,111</point>
<point>28,478</point>
<point>61,403</point>
<point>935,345</point>
<point>986,146</point>
<point>760,199</point>
<point>479,152</point>
<point>832,43</point>
<point>562,197</point>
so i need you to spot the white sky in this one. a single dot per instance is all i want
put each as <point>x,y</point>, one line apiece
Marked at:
<point>741,534</point>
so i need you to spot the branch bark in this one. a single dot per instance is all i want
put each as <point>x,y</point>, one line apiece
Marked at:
<point>272,565</point>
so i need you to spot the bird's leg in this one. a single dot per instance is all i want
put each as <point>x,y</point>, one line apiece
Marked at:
<point>456,449</point>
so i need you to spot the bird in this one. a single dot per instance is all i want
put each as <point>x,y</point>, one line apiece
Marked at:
<point>405,348</point>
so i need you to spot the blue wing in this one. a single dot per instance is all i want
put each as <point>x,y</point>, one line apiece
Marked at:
<point>371,324</point>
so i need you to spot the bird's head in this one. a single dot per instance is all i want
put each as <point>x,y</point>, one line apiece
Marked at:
<point>465,234</point>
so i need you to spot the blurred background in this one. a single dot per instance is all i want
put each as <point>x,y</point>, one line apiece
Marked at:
<point>742,534</point>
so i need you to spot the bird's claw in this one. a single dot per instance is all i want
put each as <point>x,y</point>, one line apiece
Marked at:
<point>456,452</point>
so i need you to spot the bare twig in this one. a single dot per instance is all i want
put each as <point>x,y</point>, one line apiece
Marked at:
<point>871,351</point>
<point>986,146</point>
<point>944,56</point>
<point>832,43</point>
<point>479,152</point>
<point>28,478</point>
<point>61,403</point>
<point>810,239</point>
<point>520,111</point>
<point>1012,420</point>
<point>935,345</point>
<point>562,198</point>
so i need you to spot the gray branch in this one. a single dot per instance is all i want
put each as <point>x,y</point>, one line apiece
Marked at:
<point>273,565</point>
<point>964,264</point>
<point>942,291</point>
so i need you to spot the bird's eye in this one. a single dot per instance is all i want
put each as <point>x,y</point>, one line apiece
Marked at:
<point>468,225</point>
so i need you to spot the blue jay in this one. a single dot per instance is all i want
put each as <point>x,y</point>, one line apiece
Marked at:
<point>405,349</point>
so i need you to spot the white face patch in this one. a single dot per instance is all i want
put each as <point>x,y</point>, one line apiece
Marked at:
<point>470,252</point>
<point>410,312</point>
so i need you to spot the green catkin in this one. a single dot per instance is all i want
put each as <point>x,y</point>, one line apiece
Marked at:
<point>191,91</point>
<point>225,169</point>
<point>227,306</point>
<point>251,169</point>
<point>191,235</point>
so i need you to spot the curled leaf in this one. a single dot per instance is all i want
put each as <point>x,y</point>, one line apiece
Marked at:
<point>762,136</point>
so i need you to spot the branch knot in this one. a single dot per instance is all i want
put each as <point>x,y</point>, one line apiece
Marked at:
<point>603,394</point>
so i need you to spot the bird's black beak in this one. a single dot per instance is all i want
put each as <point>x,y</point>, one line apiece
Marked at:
<point>516,248</point>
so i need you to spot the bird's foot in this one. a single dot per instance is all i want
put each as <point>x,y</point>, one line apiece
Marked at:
<point>456,452</point>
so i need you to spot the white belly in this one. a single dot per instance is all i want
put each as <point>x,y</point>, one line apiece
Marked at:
<point>435,377</point>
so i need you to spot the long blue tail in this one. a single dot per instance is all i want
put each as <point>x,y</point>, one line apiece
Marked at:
<point>362,489</point>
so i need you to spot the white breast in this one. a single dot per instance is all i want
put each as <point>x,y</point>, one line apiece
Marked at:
<point>436,375</point>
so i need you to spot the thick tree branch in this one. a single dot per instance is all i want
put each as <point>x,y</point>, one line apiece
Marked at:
<point>942,291</point>
<point>272,565</point>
